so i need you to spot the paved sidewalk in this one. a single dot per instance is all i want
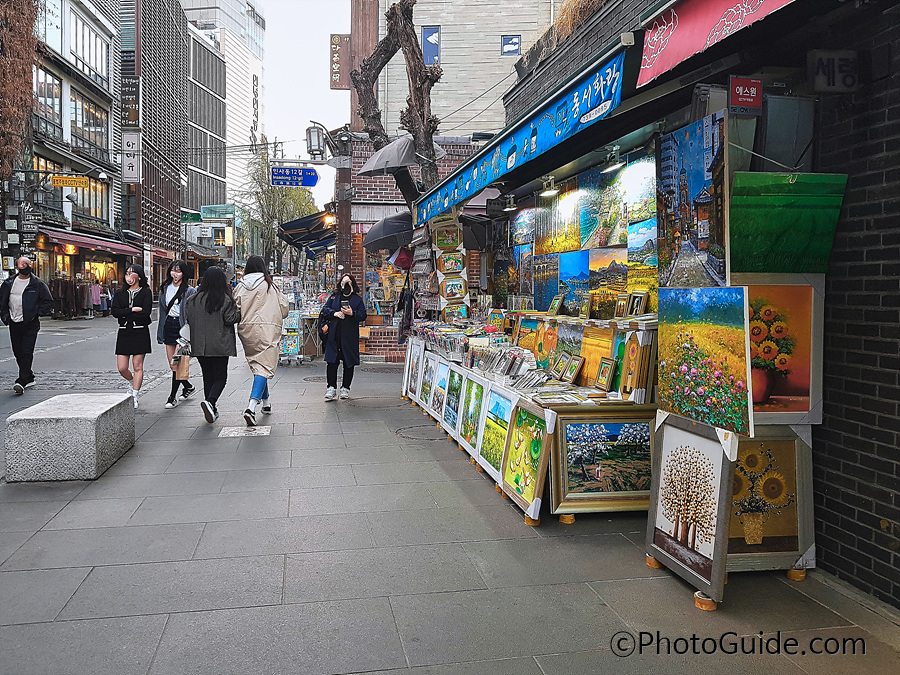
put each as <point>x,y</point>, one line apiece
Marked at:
<point>357,538</point>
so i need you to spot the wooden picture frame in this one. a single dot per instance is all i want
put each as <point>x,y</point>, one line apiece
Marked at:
<point>559,367</point>
<point>524,471</point>
<point>495,318</point>
<point>584,309</point>
<point>555,305</point>
<point>496,414</point>
<point>621,310</point>
<point>475,394</point>
<point>573,367</point>
<point>451,262</point>
<point>605,373</point>
<point>637,303</point>
<point>585,485</point>
<point>447,238</point>
<point>694,550</point>
<point>516,329</point>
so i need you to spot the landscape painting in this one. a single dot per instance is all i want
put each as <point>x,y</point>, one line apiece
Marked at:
<point>574,274</point>
<point>608,278</point>
<point>525,459</point>
<point>596,344</point>
<point>427,380</point>
<point>471,414</point>
<point>496,425</point>
<point>545,344</point>
<point>527,336</point>
<point>704,364</point>
<point>415,366</point>
<point>440,388</point>
<point>643,258</point>
<point>454,392</point>
<point>546,280</point>
<point>602,212</point>
<point>569,339</point>
<point>556,221</point>
<point>521,227</point>
<point>524,261</point>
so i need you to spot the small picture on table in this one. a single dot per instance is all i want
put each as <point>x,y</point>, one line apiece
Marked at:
<point>572,368</point>
<point>555,305</point>
<point>605,373</point>
<point>637,303</point>
<point>559,368</point>
<point>621,306</point>
<point>584,310</point>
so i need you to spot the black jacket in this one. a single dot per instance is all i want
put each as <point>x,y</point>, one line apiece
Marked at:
<point>36,300</point>
<point>121,310</point>
<point>347,328</point>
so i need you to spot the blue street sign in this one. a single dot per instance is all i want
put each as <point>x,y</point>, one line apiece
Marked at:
<point>290,176</point>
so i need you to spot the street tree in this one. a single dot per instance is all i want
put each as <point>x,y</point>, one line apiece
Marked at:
<point>18,52</point>
<point>416,118</point>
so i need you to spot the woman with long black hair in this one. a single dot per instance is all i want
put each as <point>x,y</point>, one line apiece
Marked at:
<point>212,313</point>
<point>345,310</point>
<point>172,295</point>
<point>132,306</point>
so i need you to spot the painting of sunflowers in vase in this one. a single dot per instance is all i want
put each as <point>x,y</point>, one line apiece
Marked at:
<point>525,458</point>
<point>764,498</point>
<point>704,372</point>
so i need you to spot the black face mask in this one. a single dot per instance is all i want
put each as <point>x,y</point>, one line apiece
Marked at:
<point>346,289</point>
<point>25,271</point>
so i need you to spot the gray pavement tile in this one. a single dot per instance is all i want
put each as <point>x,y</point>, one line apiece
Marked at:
<point>27,516</point>
<point>413,472</point>
<point>279,536</point>
<point>100,647</point>
<point>478,491</point>
<point>208,508</point>
<point>648,661</point>
<point>343,455</point>
<point>310,442</point>
<point>520,666</point>
<point>231,461</point>
<point>560,560</point>
<point>184,447</point>
<point>849,651</point>
<point>754,602</point>
<point>315,428</point>
<point>155,485</point>
<point>333,637</point>
<point>594,523</point>
<point>364,427</point>
<point>372,440</point>
<point>170,430</point>
<point>435,526</point>
<point>433,451</point>
<point>187,586</point>
<point>472,625</point>
<point>140,465</point>
<point>41,492</point>
<point>105,546</point>
<point>37,595</point>
<point>288,478</point>
<point>360,499</point>
<point>94,513</point>
<point>306,415</point>
<point>376,572</point>
<point>10,542</point>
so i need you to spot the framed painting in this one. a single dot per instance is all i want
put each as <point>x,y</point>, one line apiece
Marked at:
<point>690,504</point>
<point>621,310</point>
<point>559,368</point>
<point>632,366</point>
<point>596,343</point>
<point>475,390</point>
<point>545,273</point>
<point>786,343</point>
<point>637,303</point>
<point>602,459</point>
<point>495,426</point>
<point>452,400</point>
<point>439,389</point>
<point>429,366</point>
<point>416,350</point>
<point>605,373</point>
<point>545,344</point>
<point>772,524</point>
<point>495,318</point>
<point>448,238</point>
<point>584,309</point>
<point>573,367</point>
<point>451,262</point>
<point>454,312</point>
<point>526,456</point>
<point>453,288</point>
<point>555,305</point>
<point>526,338</point>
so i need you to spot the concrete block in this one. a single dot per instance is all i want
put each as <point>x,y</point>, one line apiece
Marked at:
<point>68,437</point>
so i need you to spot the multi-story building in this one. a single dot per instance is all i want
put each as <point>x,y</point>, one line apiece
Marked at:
<point>155,44</point>
<point>241,18</point>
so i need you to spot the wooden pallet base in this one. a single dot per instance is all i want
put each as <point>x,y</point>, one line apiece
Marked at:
<point>498,488</point>
<point>534,522</point>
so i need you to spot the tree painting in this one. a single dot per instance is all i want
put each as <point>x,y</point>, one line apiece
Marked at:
<point>471,412</point>
<point>610,457</point>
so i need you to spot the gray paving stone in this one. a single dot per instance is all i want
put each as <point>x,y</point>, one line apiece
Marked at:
<point>187,586</point>
<point>10,542</point>
<point>520,666</point>
<point>343,455</point>
<point>232,461</point>
<point>364,427</point>
<point>139,465</point>
<point>102,647</point>
<point>841,651</point>
<point>314,442</point>
<point>41,492</point>
<point>432,451</point>
<point>604,661</point>
<point>105,546</point>
<point>208,508</point>
<point>94,513</point>
<point>413,472</point>
<point>27,516</point>
<point>162,485</point>
<point>332,637</point>
<point>170,430</point>
<point>471,625</point>
<point>284,535</point>
<point>361,499</point>
<point>373,440</point>
<point>288,478</point>
<point>314,428</point>
<point>184,447</point>
<point>594,523</point>
<point>376,572</point>
<point>479,490</point>
<point>436,526</point>
<point>37,595</point>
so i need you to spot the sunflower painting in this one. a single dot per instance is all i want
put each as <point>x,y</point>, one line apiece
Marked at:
<point>526,455</point>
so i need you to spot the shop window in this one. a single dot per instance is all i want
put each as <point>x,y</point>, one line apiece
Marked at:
<point>92,200</point>
<point>42,265</point>
<point>47,89</point>
<point>431,44</point>
<point>90,51</point>
<point>90,126</point>
<point>510,45</point>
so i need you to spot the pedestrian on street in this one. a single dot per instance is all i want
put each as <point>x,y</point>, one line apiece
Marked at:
<point>211,314</point>
<point>342,335</point>
<point>263,310</point>
<point>132,306</point>
<point>175,290</point>
<point>23,298</point>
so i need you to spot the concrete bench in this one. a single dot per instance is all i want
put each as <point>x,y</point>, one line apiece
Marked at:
<point>68,437</point>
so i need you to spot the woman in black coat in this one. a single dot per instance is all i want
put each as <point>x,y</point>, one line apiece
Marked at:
<point>345,311</point>
<point>132,306</point>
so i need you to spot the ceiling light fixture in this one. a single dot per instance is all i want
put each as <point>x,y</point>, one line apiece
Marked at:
<point>510,203</point>
<point>550,188</point>
<point>614,160</point>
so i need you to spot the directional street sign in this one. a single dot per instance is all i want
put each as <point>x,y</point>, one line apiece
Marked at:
<point>291,176</point>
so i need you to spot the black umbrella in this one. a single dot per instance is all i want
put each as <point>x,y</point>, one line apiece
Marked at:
<point>390,233</point>
<point>394,156</point>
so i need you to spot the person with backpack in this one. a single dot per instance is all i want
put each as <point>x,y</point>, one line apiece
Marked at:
<point>344,312</point>
<point>132,307</point>
<point>172,295</point>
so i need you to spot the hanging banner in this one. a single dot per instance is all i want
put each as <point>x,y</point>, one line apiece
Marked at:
<point>693,26</point>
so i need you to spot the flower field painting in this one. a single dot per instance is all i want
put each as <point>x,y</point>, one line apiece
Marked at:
<point>454,390</point>
<point>471,413</point>
<point>704,364</point>
<point>523,467</point>
<point>527,337</point>
<point>496,425</point>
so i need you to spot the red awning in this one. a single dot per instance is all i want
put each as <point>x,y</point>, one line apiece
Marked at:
<point>692,26</point>
<point>87,241</point>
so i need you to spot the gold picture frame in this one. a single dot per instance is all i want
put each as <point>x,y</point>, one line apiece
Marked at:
<point>573,367</point>
<point>559,368</point>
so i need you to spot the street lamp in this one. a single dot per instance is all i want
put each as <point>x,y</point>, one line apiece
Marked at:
<point>315,141</point>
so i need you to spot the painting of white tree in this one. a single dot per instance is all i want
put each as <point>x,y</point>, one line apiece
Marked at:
<point>607,457</point>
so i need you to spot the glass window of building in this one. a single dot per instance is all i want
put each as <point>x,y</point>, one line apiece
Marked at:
<point>91,200</point>
<point>89,125</point>
<point>90,50</point>
<point>47,90</point>
<point>44,168</point>
<point>48,26</point>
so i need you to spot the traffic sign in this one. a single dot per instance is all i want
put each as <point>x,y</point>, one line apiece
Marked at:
<point>293,176</point>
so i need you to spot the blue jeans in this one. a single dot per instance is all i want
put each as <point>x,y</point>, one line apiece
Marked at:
<point>260,389</point>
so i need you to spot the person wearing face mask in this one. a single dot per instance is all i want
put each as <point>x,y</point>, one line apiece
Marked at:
<point>23,298</point>
<point>342,335</point>
<point>132,306</point>
<point>172,295</point>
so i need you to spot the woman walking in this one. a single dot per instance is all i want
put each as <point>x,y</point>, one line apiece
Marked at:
<point>263,309</point>
<point>211,313</point>
<point>175,290</point>
<point>342,335</point>
<point>132,306</point>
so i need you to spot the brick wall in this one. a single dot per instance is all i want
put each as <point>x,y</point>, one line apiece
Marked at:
<point>856,459</point>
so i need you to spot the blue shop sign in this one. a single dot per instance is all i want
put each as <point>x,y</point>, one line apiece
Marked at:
<point>592,99</point>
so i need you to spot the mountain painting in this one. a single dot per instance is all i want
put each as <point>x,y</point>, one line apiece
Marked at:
<point>608,277</point>
<point>546,280</point>
<point>574,276</point>
<point>643,259</point>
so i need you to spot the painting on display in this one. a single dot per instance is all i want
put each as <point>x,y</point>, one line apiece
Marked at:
<point>415,367</point>
<point>451,262</point>
<point>524,261</point>
<point>602,460</point>
<point>574,275</point>
<point>546,280</point>
<point>521,227</point>
<point>596,344</point>
<point>470,415</point>
<point>569,339</point>
<point>440,388</point>
<point>429,365</point>
<point>527,335</point>
<point>495,424</point>
<point>704,349</point>
<point>454,312</point>
<point>608,278</point>
<point>526,455</point>
<point>556,228</point>
<point>691,214</point>
<point>690,505</point>
<point>545,344</point>
<point>454,394</point>
<point>453,288</point>
<point>643,256</point>
<point>447,238</point>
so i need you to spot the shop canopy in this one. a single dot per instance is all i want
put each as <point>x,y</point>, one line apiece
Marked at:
<point>65,237</point>
<point>305,230</point>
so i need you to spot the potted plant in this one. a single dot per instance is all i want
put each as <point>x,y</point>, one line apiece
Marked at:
<point>771,346</point>
<point>759,490</point>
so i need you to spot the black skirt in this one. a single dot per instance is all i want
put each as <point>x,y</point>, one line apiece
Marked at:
<point>131,341</point>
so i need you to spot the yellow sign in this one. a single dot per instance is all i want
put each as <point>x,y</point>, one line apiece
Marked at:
<point>70,181</point>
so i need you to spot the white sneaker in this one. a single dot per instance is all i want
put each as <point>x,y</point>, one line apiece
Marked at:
<point>171,403</point>
<point>135,403</point>
<point>345,393</point>
<point>330,394</point>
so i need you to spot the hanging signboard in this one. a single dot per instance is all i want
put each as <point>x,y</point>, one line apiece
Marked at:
<point>339,67</point>
<point>131,102</point>
<point>131,156</point>
<point>744,96</point>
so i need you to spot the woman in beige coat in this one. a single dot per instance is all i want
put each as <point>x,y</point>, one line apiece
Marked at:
<point>263,309</point>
